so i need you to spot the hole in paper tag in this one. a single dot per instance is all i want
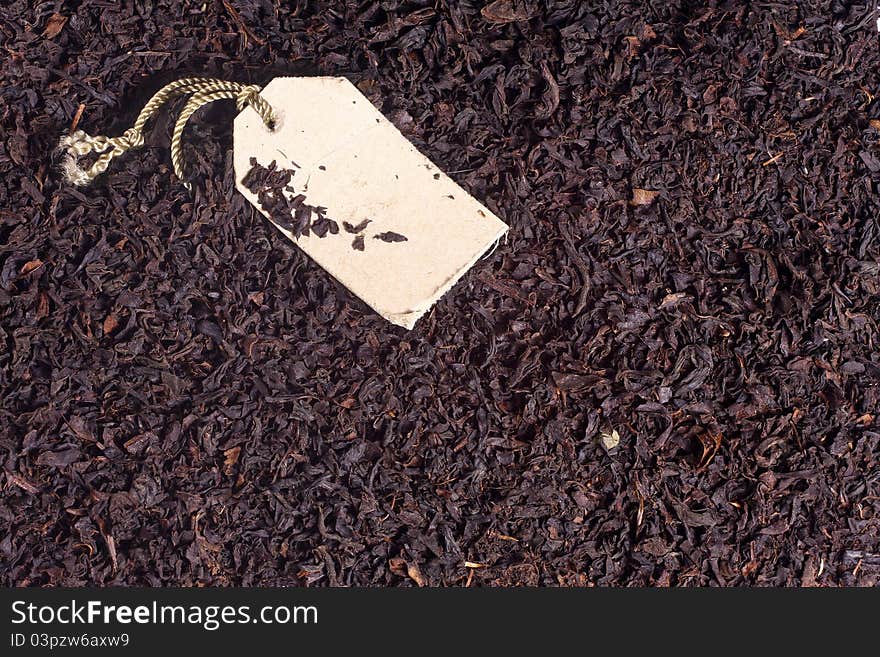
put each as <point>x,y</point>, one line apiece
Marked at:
<point>337,178</point>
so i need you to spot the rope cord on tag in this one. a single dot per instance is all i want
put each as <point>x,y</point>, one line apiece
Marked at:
<point>201,91</point>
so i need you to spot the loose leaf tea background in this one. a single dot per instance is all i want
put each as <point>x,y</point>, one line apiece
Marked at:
<point>692,267</point>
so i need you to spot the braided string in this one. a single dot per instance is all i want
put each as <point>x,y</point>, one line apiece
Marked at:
<point>201,91</point>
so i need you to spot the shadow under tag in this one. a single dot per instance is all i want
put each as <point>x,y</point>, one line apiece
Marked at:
<point>337,178</point>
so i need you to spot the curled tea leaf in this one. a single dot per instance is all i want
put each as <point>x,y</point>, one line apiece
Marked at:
<point>610,440</point>
<point>643,196</point>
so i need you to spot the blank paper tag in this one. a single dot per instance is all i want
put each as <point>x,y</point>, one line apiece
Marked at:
<point>360,200</point>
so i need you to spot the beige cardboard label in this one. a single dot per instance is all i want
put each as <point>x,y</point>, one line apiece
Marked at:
<point>350,165</point>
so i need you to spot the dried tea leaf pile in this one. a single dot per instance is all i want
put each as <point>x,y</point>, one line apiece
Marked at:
<point>691,270</point>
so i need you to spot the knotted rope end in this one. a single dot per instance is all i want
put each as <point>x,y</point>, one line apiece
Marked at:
<point>74,146</point>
